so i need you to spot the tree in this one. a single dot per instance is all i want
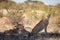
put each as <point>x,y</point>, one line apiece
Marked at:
<point>34,1</point>
<point>4,0</point>
<point>28,0</point>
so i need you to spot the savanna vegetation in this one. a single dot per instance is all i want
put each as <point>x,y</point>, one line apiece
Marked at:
<point>29,13</point>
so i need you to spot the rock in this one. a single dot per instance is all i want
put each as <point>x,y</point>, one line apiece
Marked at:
<point>5,24</point>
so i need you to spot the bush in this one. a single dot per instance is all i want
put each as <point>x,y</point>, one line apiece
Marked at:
<point>1,15</point>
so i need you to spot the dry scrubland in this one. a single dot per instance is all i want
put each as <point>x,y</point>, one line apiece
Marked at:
<point>29,16</point>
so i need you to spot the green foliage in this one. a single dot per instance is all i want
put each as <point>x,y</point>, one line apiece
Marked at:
<point>39,7</point>
<point>32,15</point>
<point>7,4</point>
<point>58,20</point>
<point>1,15</point>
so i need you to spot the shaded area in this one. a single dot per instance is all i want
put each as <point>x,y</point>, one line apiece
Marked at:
<point>35,37</point>
<point>48,35</point>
